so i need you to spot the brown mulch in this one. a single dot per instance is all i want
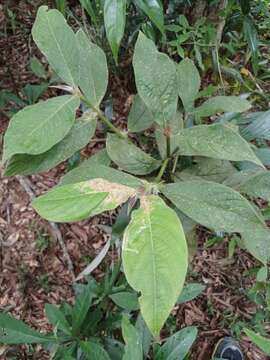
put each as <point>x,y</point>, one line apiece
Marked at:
<point>30,276</point>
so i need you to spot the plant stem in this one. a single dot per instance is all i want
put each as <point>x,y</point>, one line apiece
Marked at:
<point>162,170</point>
<point>168,146</point>
<point>103,118</point>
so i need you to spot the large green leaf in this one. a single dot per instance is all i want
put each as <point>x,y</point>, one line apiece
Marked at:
<point>92,169</point>
<point>139,118</point>
<point>155,76</point>
<point>13,331</point>
<point>37,128</point>
<point>262,342</point>
<point>133,348</point>
<point>155,259</point>
<point>188,83</point>
<point>153,9</point>
<point>222,104</point>
<point>129,157</point>
<point>93,75</point>
<point>115,20</point>
<point>222,209</point>
<point>93,351</point>
<point>76,139</point>
<point>57,42</point>
<point>74,202</point>
<point>218,141</point>
<point>178,345</point>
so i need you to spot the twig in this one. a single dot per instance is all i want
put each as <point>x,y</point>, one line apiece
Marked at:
<point>28,187</point>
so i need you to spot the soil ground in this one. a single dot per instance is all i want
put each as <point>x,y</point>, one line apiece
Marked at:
<point>32,265</point>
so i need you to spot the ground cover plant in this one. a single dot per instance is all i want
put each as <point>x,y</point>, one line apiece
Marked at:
<point>196,171</point>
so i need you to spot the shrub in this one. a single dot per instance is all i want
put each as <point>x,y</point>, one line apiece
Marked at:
<point>195,174</point>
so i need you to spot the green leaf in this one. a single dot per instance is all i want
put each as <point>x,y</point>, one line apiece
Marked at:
<point>129,157</point>
<point>250,34</point>
<point>218,141</point>
<point>259,128</point>
<point>262,274</point>
<point>264,155</point>
<point>262,342</point>
<point>34,92</point>
<point>155,76</point>
<point>115,21</point>
<point>207,169</point>
<point>144,333</point>
<point>91,169</point>
<point>57,42</point>
<point>222,104</point>
<point>178,345</point>
<point>126,300</point>
<point>93,351</point>
<point>252,183</point>
<point>115,348</point>
<point>87,5</point>
<point>37,128</point>
<point>37,68</point>
<point>57,318</point>
<point>153,9</point>
<point>78,201</point>
<point>13,331</point>
<point>93,76</point>
<point>133,348</point>
<point>222,209</point>
<point>188,83</point>
<point>82,304</point>
<point>190,292</point>
<point>139,118</point>
<point>155,259</point>
<point>76,139</point>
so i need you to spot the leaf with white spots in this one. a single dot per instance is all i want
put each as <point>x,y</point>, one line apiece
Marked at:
<point>155,259</point>
<point>139,118</point>
<point>217,141</point>
<point>251,182</point>
<point>78,201</point>
<point>155,76</point>
<point>221,208</point>
<point>188,83</point>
